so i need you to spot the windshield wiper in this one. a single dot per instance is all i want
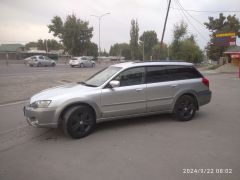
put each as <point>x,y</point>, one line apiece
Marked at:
<point>85,84</point>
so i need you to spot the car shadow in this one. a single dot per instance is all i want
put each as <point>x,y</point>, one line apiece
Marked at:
<point>136,121</point>
<point>54,134</point>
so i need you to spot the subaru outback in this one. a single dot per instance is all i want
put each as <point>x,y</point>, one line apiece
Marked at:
<point>120,91</point>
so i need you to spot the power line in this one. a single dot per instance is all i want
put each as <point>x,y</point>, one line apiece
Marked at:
<point>206,11</point>
<point>182,10</point>
<point>191,15</point>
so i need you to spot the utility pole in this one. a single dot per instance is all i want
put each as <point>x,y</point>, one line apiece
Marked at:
<point>143,50</point>
<point>99,30</point>
<point>165,23</point>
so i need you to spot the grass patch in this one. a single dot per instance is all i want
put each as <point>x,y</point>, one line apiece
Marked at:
<point>213,67</point>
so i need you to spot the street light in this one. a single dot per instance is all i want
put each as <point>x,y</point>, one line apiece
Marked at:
<point>99,30</point>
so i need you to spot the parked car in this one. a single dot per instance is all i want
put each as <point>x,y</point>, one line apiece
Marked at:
<point>39,60</point>
<point>82,62</point>
<point>120,91</point>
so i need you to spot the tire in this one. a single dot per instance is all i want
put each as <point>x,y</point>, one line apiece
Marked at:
<point>38,64</point>
<point>185,108</point>
<point>81,65</point>
<point>93,65</point>
<point>78,121</point>
<point>53,64</point>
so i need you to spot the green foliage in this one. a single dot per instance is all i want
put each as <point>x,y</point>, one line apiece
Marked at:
<point>222,24</point>
<point>122,49</point>
<point>179,32</point>
<point>184,47</point>
<point>92,49</point>
<point>148,40</point>
<point>74,33</point>
<point>190,51</point>
<point>157,55</point>
<point>46,45</point>
<point>31,44</point>
<point>134,39</point>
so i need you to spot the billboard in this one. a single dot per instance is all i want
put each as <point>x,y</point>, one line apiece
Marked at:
<point>225,39</point>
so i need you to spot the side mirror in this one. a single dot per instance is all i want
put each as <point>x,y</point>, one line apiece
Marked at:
<point>114,83</point>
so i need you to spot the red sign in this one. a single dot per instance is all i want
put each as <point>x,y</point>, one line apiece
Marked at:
<point>235,56</point>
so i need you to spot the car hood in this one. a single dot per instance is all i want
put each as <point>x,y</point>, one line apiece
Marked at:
<point>64,90</point>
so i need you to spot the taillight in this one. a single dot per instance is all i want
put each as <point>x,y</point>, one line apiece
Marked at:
<point>205,81</point>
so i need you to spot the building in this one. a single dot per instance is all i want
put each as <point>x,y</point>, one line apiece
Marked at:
<point>233,54</point>
<point>11,51</point>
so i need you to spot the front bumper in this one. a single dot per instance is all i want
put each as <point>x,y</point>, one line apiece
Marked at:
<point>40,117</point>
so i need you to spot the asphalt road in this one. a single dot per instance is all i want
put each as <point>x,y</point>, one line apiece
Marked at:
<point>149,148</point>
<point>21,69</point>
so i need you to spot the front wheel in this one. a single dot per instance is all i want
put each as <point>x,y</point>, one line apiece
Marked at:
<point>81,65</point>
<point>185,108</point>
<point>93,65</point>
<point>79,121</point>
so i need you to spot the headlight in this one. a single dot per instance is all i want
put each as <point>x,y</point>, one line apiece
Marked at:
<point>40,104</point>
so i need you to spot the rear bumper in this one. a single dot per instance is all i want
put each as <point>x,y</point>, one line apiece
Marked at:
<point>40,117</point>
<point>204,97</point>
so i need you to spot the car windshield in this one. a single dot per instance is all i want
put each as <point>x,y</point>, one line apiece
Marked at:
<point>102,76</point>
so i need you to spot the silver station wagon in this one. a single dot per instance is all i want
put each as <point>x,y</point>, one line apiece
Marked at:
<point>120,91</point>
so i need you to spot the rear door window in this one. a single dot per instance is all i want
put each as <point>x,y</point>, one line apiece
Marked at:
<point>157,74</point>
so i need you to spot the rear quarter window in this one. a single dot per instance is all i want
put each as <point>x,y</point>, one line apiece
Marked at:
<point>183,72</point>
<point>171,73</point>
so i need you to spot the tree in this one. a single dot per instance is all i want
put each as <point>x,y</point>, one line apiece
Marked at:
<point>184,46</point>
<point>190,51</point>
<point>30,44</point>
<point>148,40</point>
<point>74,33</point>
<point>46,45</point>
<point>222,24</point>
<point>134,39</point>
<point>122,49</point>
<point>179,32</point>
<point>157,55</point>
<point>92,49</point>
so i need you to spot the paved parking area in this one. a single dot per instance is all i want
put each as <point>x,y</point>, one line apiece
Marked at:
<point>155,147</point>
<point>19,82</point>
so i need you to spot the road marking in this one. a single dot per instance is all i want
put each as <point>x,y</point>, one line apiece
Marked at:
<point>13,103</point>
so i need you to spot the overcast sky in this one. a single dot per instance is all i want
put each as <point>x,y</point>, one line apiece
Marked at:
<point>26,20</point>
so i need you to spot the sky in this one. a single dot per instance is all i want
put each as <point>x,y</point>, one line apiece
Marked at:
<point>23,21</point>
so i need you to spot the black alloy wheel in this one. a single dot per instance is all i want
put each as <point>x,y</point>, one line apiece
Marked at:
<point>185,108</point>
<point>79,121</point>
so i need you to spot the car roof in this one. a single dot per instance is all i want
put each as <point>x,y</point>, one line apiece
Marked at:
<point>151,63</point>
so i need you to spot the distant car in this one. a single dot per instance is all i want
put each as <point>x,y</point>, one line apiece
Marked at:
<point>82,62</point>
<point>39,60</point>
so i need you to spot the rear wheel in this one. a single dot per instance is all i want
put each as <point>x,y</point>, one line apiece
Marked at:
<point>79,121</point>
<point>93,65</point>
<point>53,64</point>
<point>185,108</point>
<point>81,65</point>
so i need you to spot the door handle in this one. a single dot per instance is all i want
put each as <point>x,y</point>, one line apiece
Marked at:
<point>174,85</point>
<point>139,89</point>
